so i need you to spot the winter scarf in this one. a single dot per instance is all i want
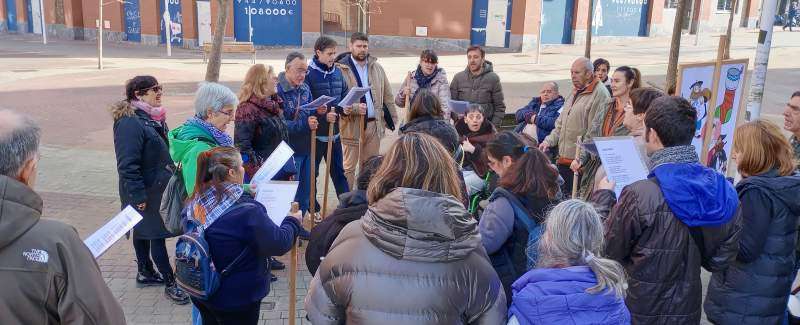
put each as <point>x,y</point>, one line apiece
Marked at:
<point>316,65</point>
<point>158,114</point>
<point>424,81</point>
<point>222,138</point>
<point>208,207</point>
<point>676,155</point>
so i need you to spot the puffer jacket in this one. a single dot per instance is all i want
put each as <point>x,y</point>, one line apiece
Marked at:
<point>484,89</point>
<point>438,86</point>
<point>381,94</point>
<point>293,98</point>
<point>545,116</point>
<point>414,258</point>
<point>352,206</point>
<point>649,234</point>
<point>755,288</point>
<point>577,115</point>
<point>328,81</point>
<point>49,276</point>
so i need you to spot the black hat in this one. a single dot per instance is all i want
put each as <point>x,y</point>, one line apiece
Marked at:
<point>697,83</point>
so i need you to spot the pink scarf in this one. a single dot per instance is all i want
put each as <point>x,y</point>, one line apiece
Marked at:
<point>156,113</point>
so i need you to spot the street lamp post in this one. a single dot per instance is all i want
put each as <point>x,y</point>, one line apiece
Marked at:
<point>100,37</point>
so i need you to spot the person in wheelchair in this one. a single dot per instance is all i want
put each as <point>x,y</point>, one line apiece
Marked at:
<point>475,132</point>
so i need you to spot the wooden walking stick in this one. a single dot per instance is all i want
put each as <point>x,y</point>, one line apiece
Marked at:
<point>293,272</point>
<point>408,90</point>
<point>312,177</point>
<point>576,175</point>
<point>327,169</point>
<point>362,128</point>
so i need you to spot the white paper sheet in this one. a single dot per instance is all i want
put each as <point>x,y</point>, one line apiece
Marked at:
<point>458,106</point>
<point>102,239</point>
<point>322,100</point>
<point>277,197</point>
<point>273,164</point>
<point>621,160</point>
<point>353,96</point>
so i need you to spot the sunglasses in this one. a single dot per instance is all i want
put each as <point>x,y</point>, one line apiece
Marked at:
<point>156,88</point>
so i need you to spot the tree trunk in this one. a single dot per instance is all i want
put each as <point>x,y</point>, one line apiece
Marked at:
<point>730,27</point>
<point>215,57</point>
<point>588,51</point>
<point>674,48</point>
<point>761,60</point>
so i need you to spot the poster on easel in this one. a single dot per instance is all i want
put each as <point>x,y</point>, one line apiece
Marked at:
<point>695,81</point>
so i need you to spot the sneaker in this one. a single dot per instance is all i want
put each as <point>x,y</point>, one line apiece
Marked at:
<point>272,277</point>
<point>147,276</point>
<point>276,265</point>
<point>172,292</point>
<point>317,218</point>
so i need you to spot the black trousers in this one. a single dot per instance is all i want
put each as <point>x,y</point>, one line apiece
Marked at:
<point>157,248</point>
<point>246,316</point>
<point>566,174</point>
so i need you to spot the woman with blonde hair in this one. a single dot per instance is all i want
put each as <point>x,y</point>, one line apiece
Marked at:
<point>415,257</point>
<point>259,124</point>
<point>755,288</point>
<point>572,283</point>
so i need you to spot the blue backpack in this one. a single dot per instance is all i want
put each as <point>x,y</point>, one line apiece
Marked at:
<point>533,229</point>
<point>195,271</point>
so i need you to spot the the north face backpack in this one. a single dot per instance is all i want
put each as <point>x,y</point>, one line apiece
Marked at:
<point>195,272</point>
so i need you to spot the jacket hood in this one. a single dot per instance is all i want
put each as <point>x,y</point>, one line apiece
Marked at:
<point>421,226</point>
<point>121,109</point>
<point>487,67</point>
<point>20,209</point>
<point>184,137</point>
<point>786,189</point>
<point>697,195</point>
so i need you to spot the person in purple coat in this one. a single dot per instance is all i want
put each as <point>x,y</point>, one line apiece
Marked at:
<point>572,283</point>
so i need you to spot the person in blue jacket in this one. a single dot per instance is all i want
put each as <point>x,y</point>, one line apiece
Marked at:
<point>541,111</point>
<point>235,224</point>
<point>572,282</point>
<point>295,93</point>
<point>325,79</point>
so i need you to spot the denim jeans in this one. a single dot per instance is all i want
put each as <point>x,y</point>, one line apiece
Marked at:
<point>303,164</point>
<point>336,168</point>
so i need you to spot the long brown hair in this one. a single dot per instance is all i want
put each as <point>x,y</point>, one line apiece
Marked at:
<point>259,82</point>
<point>417,161</point>
<point>212,169</point>
<point>761,147</point>
<point>531,173</point>
<point>425,103</point>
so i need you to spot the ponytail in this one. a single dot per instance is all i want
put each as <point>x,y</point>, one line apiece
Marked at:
<point>632,75</point>
<point>531,174</point>
<point>212,169</point>
<point>610,275</point>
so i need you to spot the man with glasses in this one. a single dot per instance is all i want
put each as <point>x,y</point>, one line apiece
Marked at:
<point>541,111</point>
<point>791,122</point>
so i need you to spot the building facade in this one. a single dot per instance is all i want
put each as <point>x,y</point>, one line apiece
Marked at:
<point>441,24</point>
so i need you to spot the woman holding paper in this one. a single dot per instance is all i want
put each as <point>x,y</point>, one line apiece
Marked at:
<point>606,124</point>
<point>235,224</point>
<point>143,162</point>
<point>528,187</point>
<point>259,126</point>
<point>428,75</point>
<point>762,275</point>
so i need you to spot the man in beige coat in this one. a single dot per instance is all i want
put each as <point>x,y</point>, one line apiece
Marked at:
<point>587,99</point>
<point>362,70</point>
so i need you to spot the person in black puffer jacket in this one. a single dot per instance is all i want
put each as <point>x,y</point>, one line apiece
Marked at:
<point>755,288</point>
<point>352,206</point>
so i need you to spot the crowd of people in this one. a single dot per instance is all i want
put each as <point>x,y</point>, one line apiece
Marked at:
<point>458,222</point>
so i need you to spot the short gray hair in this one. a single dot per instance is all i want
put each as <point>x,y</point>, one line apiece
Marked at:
<point>214,96</point>
<point>292,56</point>
<point>587,63</point>
<point>19,141</point>
<point>574,236</point>
<point>552,83</point>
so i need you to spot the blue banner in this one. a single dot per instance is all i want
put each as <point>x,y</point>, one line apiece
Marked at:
<point>11,15</point>
<point>133,21</point>
<point>272,22</point>
<point>620,18</point>
<point>176,22</point>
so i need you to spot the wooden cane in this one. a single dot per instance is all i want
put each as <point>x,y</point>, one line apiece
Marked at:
<point>363,128</point>
<point>293,272</point>
<point>327,169</point>
<point>576,175</point>
<point>312,207</point>
<point>408,90</point>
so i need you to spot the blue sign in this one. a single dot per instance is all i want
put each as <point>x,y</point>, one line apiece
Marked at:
<point>11,15</point>
<point>133,21</point>
<point>557,21</point>
<point>272,22</point>
<point>176,22</point>
<point>620,18</point>
<point>477,34</point>
<point>29,11</point>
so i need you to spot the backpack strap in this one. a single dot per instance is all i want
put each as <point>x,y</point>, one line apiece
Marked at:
<point>244,251</point>
<point>525,218</point>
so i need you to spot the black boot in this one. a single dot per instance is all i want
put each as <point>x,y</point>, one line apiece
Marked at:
<point>147,276</point>
<point>276,265</point>
<point>174,293</point>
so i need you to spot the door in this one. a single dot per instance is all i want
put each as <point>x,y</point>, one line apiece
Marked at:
<point>11,15</point>
<point>176,21</point>
<point>28,14</point>
<point>620,18</point>
<point>271,23</point>
<point>557,21</point>
<point>204,22</point>
<point>35,17</point>
<point>133,21</point>
<point>496,18</point>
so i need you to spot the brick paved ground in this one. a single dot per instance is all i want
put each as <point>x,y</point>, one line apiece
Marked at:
<point>59,86</point>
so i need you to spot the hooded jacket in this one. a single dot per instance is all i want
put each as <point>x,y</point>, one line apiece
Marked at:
<point>754,290</point>
<point>438,86</point>
<point>143,165</point>
<point>476,160</point>
<point>558,296</point>
<point>414,258</point>
<point>648,232</point>
<point>484,89</point>
<point>381,94</point>
<point>49,276</point>
<point>186,143</point>
<point>545,117</point>
<point>352,206</point>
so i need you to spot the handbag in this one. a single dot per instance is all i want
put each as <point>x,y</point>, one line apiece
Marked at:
<point>172,202</point>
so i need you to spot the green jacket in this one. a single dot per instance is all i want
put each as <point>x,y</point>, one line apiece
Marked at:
<point>185,144</point>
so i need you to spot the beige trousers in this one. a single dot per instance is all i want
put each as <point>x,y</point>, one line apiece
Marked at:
<point>371,147</point>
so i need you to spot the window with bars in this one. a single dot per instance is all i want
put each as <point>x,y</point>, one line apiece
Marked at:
<point>671,4</point>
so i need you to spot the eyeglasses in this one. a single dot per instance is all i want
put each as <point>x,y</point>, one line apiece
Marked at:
<point>229,113</point>
<point>156,88</point>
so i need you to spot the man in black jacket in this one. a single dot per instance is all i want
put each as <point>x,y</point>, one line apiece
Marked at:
<point>352,206</point>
